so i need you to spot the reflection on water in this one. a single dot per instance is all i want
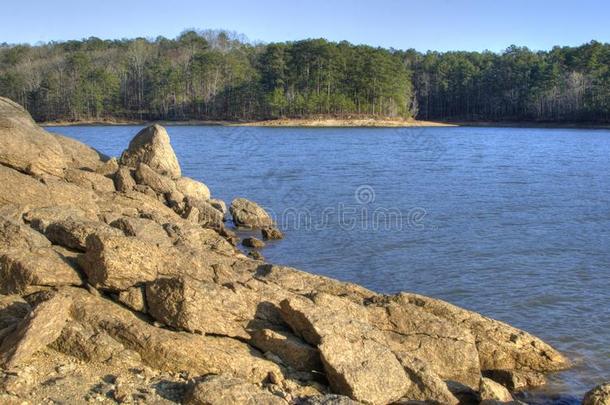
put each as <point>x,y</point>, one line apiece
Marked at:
<point>513,223</point>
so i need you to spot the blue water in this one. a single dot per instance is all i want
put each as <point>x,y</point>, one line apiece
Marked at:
<point>512,223</point>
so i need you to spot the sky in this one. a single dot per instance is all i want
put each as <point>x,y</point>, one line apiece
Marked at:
<point>441,25</point>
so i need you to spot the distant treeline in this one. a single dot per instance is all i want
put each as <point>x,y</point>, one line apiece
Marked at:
<point>220,75</point>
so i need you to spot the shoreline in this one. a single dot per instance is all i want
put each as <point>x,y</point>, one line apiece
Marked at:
<point>335,123</point>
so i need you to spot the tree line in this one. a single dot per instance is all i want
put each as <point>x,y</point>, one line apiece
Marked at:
<point>220,75</point>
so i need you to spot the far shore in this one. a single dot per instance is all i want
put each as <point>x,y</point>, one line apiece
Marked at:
<point>335,123</point>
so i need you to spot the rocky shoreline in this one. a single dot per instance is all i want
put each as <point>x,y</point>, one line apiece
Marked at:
<point>121,283</point>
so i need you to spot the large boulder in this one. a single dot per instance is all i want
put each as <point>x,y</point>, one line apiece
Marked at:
<point>160,184</point>
<point>356,357</point>
<point>249,214</point>
<point>168,350</point>
<point>89,180</point>
<point>223,390</point>
<point>152,147</point>
<point>200,307</point>
<point>491,391</point>
<point>450,350</point>
<point>80,156</point>
<point>37,330</point>
<point>193,188</point>
<point>599,395</point>
<point>500,346</point>
<point>25,146</point>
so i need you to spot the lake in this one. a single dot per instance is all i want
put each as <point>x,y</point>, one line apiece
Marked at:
<point>512,223</point>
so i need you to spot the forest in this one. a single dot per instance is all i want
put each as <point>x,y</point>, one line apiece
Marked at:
<point>220,75</point>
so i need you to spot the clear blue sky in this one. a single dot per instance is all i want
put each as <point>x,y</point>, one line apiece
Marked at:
<point>420,24</point>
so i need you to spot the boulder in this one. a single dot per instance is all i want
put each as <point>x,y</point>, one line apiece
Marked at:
<point>13,309</point>
<point>516,380</point>
<point>450,350</point>
<point>89,180</point>
<point>120,262</point>
<point>144,229</point>
<point>20,269</point>
<point>356,357</point>
<point>249,214</point>
<point>200,307</point>
<point>220,205</point>
<point>190,236</point>
<point>168,350</point>
<point>41,218</point>
<point>253,243</point>
<point>223,390</point>
<point>72,233</point>
<point>25,146</point>
<point>426,386</point>
<point>89,345</point>
<point>271,233</point>
<point>27,258</point>
<point>81,156</point>
<point>490,390</point>
<point>37,330</point>
<point>123,180</point>
<point>292,350</point>
<point>133,298</point>
<point>193,188</point>
<point>145,175</point>
<point>202,212</point>
<point>108,168</point>
<point>599,395</point>
<point>500,346</point>
<point>152,146</point>
<point>328,399</point>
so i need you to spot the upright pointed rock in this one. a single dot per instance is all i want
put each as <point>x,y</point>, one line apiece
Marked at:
<point>152,147</point>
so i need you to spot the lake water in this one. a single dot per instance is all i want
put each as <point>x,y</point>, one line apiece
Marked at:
<point>511,223</point>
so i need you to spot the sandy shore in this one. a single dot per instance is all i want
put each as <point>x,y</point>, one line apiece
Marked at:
<point>284,122</point>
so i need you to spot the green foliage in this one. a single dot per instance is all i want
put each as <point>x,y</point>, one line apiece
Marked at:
<point>217,75</point>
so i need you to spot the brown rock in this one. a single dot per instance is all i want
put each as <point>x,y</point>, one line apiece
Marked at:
<point>167,350</point>
<point>108,168</point>
<point>39,329</point>
<point>192,188</point>
<point>490,390</point>
<point>292,350</point>
<point>516,380</point>
<point>271,233</point>
<point>25,146</point>
<point>146,176</point>
<point>220,205</point>
<point>144,229</point>
<point>329,399</point>
<point>133,298</point>
<point>120,262</point>
<point>426,386</point>
<point>249,214</point>
<point>223,390</point>
<point>73,234</point>
<point>13,309</point>
<point>152,147</point>
<point>80,156</point>
<point>89,180</point>
<point>253,243</point>
<point>41,218</point>
<point>203,213</point>
<point>500,346</point>
<point>123,180</point>
<point>450,351</point>
<point>356,358</point>
<point>200,307</point>
<point>599,395</point>
<point>87,344</point>
<point>20,269</point>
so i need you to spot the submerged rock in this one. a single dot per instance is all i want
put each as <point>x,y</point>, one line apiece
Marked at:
<point>599,395</point>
